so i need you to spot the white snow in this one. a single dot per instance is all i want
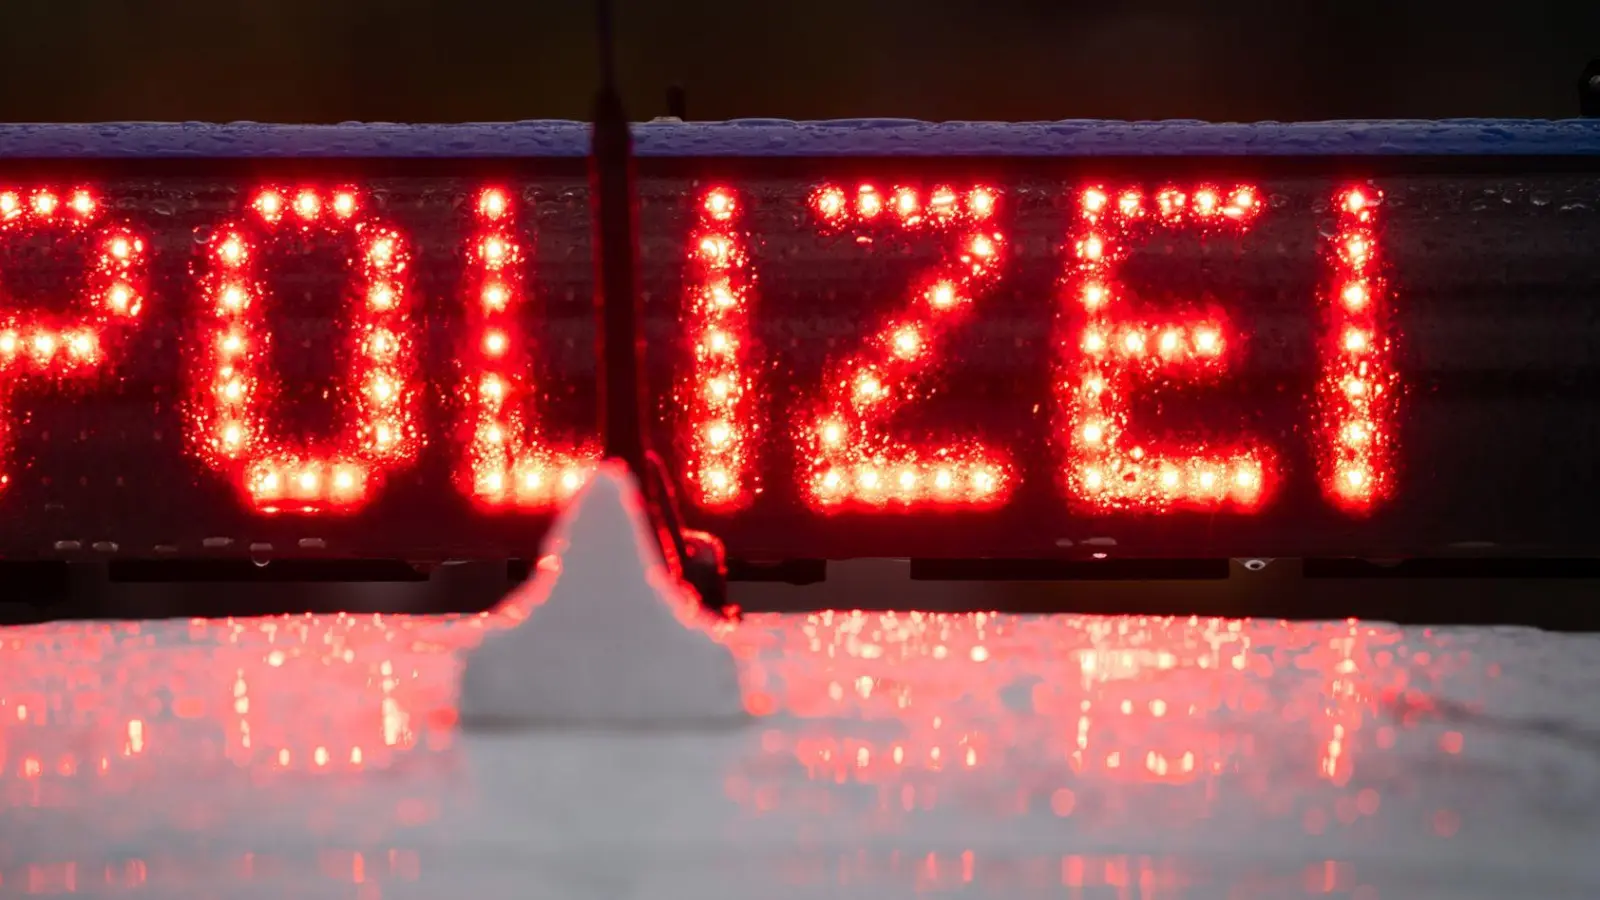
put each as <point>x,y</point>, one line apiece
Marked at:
<point>779,137</point>
<point>892,756</point>
<point>611,641</point>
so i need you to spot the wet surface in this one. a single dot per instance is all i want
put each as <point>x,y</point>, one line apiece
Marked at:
<point>889,755</point>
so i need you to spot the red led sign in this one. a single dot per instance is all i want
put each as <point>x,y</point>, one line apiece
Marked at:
<point>923,366</point>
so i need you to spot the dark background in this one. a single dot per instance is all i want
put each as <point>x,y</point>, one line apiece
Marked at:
<point>460,60</point>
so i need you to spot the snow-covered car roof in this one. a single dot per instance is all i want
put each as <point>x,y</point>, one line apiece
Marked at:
<point>839,138</point>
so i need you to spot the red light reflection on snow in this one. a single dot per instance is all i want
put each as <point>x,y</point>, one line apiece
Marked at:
<point>1093,719</point>
<point>931,709</point>
<point>294,694</point>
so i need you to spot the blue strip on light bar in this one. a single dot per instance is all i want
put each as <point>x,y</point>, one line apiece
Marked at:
<point>780,138</point>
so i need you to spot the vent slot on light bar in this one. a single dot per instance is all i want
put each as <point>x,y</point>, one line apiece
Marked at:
<point>1553,593</point>
<point>1547,593</point>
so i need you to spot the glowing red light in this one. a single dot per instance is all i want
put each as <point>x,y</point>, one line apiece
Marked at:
<point>1104,356</point>
<point>57,348</point>
<point>981,202</point>
<point>828,203</point>
<point>852,461</point>
<point>906,203</point>
<point>510,462</point>
<point>868,202</point>
<point>720,205</point>
<point>492,204</point>
<point>236,400</point>
<point>718,395</point>
<point>270,205</point>
<point>1358,392</point>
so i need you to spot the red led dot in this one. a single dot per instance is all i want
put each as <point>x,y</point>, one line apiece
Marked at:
<point>719,205</point>
<point>495,297</point>
<point>717,251</point>
<point>852,461</point>
<point>492,204</point>
<point>494,251</point>
<point>83,203</point>
<point>509,461</point>
<point>344,204</point>
<point>1354,296</point>
<point>231,250</point>
<point>1171,203</point>
<point>381,253</point>
<point>233,422</point>
<point>1103,357</point>
<point>981,202</point>
<point>906,203</point>
<point>907,342</point>
<point>120,299</point>
<point>381,297</point>
<point>1359,386</point>
<point>828,203</point>
<point>868,202</point>
<point>270,205</point>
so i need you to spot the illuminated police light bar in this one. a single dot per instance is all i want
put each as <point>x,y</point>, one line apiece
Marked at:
<point>1044,341</point>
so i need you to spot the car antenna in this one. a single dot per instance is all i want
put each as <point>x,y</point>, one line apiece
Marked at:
<point>694,556</point>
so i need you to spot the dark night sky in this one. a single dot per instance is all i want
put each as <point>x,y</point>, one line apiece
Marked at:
<point>452,60</point>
